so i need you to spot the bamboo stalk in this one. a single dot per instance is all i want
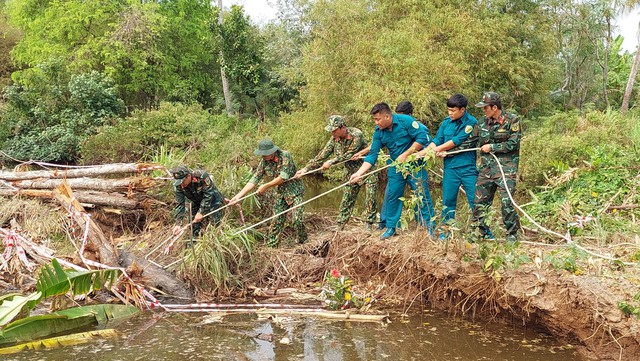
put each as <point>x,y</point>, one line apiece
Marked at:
<point>311,312</point>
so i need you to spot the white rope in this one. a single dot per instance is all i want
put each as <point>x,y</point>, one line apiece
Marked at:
<point>249,195</point>
<point>309,200</point>
<point>566,237</point>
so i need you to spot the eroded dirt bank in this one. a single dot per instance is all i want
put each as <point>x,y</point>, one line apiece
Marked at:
<point>580,307</point>
<point>582,310</point>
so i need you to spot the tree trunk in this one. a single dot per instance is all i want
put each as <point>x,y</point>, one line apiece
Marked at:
<point>106,252</point>
<point>632,79</point>
<point>97,170</point>
<point>97,198</point>
<point>97,184</point>
<point>605,63</point>
<point>156,277</point>
<point>223,75</point>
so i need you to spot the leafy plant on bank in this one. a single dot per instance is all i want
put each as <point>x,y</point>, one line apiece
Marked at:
<point>567,258</point>
<point>339,294</point>
<point>632,307</point>
<point>412,204</point>
<point>498,256</point>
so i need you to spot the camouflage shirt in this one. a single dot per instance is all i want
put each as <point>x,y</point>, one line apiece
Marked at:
<point>503,135</point>
<point>342,149</point>
<point>282,165</point>
<point>200,191</point>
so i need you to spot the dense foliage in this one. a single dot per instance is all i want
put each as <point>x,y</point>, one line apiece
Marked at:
<point>85,73</point>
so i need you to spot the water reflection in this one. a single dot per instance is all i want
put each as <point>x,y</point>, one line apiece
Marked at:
<point>245,337</point>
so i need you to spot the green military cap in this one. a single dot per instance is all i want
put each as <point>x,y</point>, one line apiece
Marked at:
<point>334,122</point>
<point>180,172</point>
<point>265,147</point>
<point>488,98</point>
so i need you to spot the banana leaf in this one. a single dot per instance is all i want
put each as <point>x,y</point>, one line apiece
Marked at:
<point>11,306</point>
<point>8,296</point>
<point>53,280</point>
<point>34,327</point>
<point>55,342</point>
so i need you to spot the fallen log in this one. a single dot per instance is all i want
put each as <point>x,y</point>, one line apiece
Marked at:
<point>97,198</point>
<point>106,252</point>
<point>98,184</point>
<point>156,277</point>
<point>91,171</point>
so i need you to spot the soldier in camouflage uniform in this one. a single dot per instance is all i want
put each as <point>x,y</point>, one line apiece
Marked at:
<point>278,165</point>
<point>344,143</point>
<point>498,133</point>
<point>198,189</point>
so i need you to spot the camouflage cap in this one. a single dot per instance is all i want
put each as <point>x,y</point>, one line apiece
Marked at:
<point>265,147</point>
<point>180,172</point>
<point>334,122</point>
<point>488,98</point>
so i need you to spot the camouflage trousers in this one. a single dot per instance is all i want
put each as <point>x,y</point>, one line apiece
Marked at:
<point>204,223</point>
<point>485,190</point>
<point>351,194</point>
<point>277,225</point>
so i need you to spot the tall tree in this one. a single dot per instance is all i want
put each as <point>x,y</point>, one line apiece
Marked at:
<point>153,50</point>
<point>223,75</point>
<point>9,37</point>
<point>242,47</point>
<point>632,79</point>
<point>630,4</point>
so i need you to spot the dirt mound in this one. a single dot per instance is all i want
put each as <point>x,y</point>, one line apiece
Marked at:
<point>582,309</point>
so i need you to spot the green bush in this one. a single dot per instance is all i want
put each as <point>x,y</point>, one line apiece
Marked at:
<point>49,112</point>
<point>139,136</point>
<point>566,140</point>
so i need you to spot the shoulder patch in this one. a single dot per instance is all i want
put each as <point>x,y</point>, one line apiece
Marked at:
<point>415,124</point>
<point>515,127</point>
<point>468,129</point>
<point>207,181</point>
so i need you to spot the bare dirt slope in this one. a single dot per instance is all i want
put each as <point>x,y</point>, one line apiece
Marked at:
<point>582,310</point>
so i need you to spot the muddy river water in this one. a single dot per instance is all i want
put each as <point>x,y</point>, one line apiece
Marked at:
<point>422,336</point>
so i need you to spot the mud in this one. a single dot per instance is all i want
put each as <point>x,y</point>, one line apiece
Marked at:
<point>412,270</point>
<point>582,310</point>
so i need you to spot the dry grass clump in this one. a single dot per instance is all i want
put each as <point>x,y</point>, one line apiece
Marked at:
<point>34,216</point>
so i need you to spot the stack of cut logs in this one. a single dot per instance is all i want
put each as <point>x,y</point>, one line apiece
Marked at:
<point>87,183</point>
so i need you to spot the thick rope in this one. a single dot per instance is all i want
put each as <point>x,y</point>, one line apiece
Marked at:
<point>254,193</point>
<point>566,237</point>
<point>309,200</point>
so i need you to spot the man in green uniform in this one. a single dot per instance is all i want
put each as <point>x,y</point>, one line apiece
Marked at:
<point>344,143</point>
<point>198,189</point>
<point>498,133</point>
<point>278,165</point>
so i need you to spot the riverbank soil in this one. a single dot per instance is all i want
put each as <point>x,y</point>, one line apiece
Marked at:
<point>580,298</point>
<point>579,307</point>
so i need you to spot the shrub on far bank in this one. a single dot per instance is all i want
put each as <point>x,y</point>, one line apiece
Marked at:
<point>568,139</point>
<point>49,112</point>
<point>577,166</point>
<point>139,136</point>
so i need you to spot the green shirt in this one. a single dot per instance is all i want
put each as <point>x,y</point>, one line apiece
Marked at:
<point>283,166</point>
<point>342,149</point>
<point>503,135</point>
